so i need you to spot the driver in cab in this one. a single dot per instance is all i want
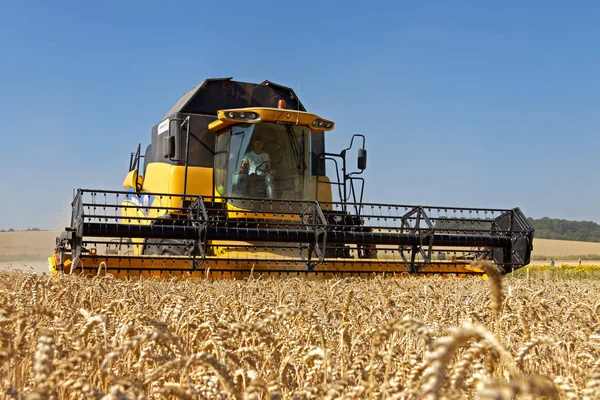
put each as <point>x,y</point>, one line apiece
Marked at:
<point>256,160</point>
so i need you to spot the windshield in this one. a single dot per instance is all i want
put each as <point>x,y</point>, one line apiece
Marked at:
<point>265,160</point>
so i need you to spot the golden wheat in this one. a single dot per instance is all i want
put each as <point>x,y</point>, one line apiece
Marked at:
<point>409,338</point>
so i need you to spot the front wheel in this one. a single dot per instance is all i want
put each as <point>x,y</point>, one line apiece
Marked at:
<point>171,247</point>
<point>165,247</point>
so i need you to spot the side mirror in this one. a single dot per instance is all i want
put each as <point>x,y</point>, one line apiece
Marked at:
<point>362,159</point>
<point>169,146</point>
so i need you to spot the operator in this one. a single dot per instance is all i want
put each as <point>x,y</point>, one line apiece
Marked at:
<point>257,161</point>
<point>257,157</point>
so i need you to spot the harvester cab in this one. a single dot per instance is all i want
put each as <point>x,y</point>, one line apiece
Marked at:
<point>263,153</point>
<point>234,182</point>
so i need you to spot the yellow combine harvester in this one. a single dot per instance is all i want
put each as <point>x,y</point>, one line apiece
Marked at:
<point>234,182</point>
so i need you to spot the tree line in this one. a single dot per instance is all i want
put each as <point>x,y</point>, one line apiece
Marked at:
<point>26,230</point>
<point>545,228</point>
<point>562,229</point>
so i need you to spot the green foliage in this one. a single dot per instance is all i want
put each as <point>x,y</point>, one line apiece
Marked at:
<point>462,224</point>
<point>560,229</point>
<point>560,272</point>
<point>545,228</point>
<point>26,230</point>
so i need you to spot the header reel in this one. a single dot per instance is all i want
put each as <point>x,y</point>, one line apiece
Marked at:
<point>175,235</point>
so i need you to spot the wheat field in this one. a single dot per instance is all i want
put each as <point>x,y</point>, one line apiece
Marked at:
<point>407,338</point>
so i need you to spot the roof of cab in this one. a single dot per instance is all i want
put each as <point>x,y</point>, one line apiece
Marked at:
<point>225,93</point>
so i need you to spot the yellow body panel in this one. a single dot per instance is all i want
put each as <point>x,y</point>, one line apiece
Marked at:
<point>238,212</point>
<point>167,178</point>
<point>130,178</point>
<point>131,215</point>
<point>325,195</point>
<point>54,262</point>
<point>270,115</point>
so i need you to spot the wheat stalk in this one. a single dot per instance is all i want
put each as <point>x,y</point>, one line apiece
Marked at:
<point>406,338</point>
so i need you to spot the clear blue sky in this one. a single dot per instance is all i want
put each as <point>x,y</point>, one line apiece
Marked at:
<point>463,103</point>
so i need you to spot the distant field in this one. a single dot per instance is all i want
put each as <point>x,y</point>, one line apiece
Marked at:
<point>31,249</point>
<point>549,247</point>
<point>29,246</point>
<point>26,250</point>
<point>565,252</point>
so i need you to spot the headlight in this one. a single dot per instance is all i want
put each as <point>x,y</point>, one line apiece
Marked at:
<point>319,123</point>
<point>242,116</point>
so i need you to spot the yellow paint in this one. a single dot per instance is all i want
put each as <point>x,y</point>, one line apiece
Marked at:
<point>53,264</point>
<point>325,195</point>
<point>131,214</point>
<point>238,212</point>
<point>213,267</point>
<point>199,182</point>
<point>270,115</point>
<point>474,269</point>
<point>130,178</point>
<point>166,178</point>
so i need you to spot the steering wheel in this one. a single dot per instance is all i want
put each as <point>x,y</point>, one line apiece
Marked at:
<point>264,167</point>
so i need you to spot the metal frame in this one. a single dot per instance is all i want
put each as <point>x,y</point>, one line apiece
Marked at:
<point>313,218</point>
<point>199,220</point>
<point>345,193</point>
<point>401,234</point>
<point>411,221</point>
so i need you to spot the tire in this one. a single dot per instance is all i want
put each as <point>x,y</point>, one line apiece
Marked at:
<point>164,247</point>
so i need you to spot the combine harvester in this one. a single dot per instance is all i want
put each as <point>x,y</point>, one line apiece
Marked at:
<point>234,182</point>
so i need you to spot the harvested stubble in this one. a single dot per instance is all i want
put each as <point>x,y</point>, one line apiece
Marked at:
<point>72,337</point>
